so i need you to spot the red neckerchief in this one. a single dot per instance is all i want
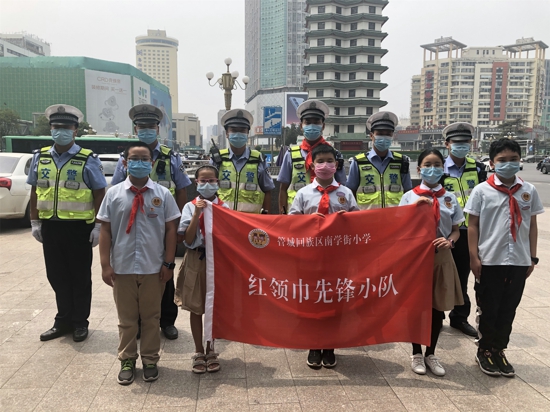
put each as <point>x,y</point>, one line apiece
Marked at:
<point>325,199</point>
<point>136,204</point>
<point>201,217</point>
<point>308,148</point>
<point>515,213</point>
<point>434,195</point>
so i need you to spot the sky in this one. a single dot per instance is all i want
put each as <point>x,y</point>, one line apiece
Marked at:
<point>211,30</point>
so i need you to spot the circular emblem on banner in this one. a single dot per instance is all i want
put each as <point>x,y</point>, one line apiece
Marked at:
<point>258,238</point>
<point>156,201</point>
<point>526,196</point>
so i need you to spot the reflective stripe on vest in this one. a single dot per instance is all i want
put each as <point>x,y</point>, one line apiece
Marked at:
<point>300,176</point>
<point>62,193</point>
<point>377,190</point>
<point>462,186</point>
<point>242,194</point>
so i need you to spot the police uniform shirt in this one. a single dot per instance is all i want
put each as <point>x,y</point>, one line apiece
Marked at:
<point>496,245</point>
<point>141,251</point>
<point>308,198</point>
<point>92,175</point>
<point>264,179</point>
<point>285,172</point>
<point>380,164</point>
<point>450,211</point>
<point>177,170</point>
<point>186,215</point>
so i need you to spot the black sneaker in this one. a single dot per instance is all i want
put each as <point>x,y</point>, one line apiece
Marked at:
<point>505,368</point>
<point>314,358</point>
<point>486,362</point>
<point>150,372</point>
<point>127,372</point>
<point>329,359</point>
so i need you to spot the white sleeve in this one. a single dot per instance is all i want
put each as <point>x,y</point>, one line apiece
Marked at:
<point>474,203</point>
<point>104,213</point>
<point>297,207</point>
<point>536,205</point>
<point>171,210</point>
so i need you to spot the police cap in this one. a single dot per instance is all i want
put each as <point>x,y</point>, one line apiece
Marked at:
<point>237,118</point>
<point>145,114</point>
<point>382,121</point>
<point>312,108</point>
<point>61,114</point>
<point>459,132</point>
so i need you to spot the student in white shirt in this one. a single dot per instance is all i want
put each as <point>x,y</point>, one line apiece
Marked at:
<point>502,238</point>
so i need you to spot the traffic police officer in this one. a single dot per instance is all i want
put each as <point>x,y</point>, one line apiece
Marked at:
<point>244,182</point>
<point>380,177</point>
<point>297,168</point>
<point>168,171</point>
<point>462,174</point>
<point>67,189</point>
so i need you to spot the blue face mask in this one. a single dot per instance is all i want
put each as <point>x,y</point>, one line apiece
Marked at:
<point>139,168</point>
<point>207,190</point>
<point>62,136</point>
<point>238,140</point>
<point>460,150</point>
<point>382,143</point>
<point>431,175</point>
<point>312,131</point>
<point>147,136</point>
<point>507,169</point>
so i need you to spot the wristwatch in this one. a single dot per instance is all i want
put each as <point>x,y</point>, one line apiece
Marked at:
<point>452,242</point>
<point>535,260</point>
<point>169,265</point>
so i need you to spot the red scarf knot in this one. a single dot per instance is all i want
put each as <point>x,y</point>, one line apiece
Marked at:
<point>434,195</point>
<point>515,212</point>
<point>325,199</point>
<point>137,204</point>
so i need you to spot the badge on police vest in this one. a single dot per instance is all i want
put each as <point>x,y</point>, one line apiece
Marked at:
<point>156,201</point>
<point>76,162</point>
<point>526,196</point>
<point>366,167</point>
<point>45,161</point>
<point>369,189</point>
<point>299,166</point>
<point>395,167</point>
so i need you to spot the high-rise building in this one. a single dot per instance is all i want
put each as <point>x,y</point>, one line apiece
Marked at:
<point>157,56</point>
<point>545,121</point>
<point>22,45</point>
<point>485,86</point>
<point>186,127</point>
<point>344,60</point>
<point>274,45</point>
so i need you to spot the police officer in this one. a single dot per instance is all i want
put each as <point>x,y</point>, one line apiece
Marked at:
<point>462,174</point>
<point>67,189</point>
<point>244,182</point>
<point>297,170</point>
<point>380,177</point>
<point>168,171</point>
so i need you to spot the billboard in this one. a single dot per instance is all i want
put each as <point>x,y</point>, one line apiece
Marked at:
<point>273,119</point>
<point>163,101</point>
<point>108,101</point>
<point>142,92</point>
<point>292,101</point>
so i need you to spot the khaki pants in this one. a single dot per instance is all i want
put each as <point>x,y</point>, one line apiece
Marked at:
<point>138,296</point>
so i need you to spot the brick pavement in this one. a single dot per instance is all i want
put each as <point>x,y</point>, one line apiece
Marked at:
<point>67,376</point>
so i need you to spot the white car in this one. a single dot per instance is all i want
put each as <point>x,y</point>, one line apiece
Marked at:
<point>109,162</point>
<point>15,193</point>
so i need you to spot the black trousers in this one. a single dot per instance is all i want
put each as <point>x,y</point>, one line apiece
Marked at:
<point>168,309</point>
<point>498,294</point>
<point>68,257</point>
<point>461,256</point>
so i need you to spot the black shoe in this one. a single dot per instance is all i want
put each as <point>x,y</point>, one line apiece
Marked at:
<point>329,359</point>
<point>505,368</point>
<point>55,332</point>
<point>465,328</point>
<point>150,372</point>
<point>127,372</point>
<point>170,332</point>
<point>486,362</point>
<point>314,358</point>
<point>79,334</point>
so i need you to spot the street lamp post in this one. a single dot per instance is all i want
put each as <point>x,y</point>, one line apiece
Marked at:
<point>228,82</point>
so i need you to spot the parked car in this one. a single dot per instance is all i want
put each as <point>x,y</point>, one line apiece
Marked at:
<point>544,166</point>
<point>15,193</point>
<point>485,161</point>
<point>109,162</point>
<point>534,158</point>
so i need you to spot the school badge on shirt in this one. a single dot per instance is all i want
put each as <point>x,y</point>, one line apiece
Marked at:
<point>258,238</point>
<point>157,201</point>
<point>526,196</point>
<point>448,202</point>
<point>341,198</point>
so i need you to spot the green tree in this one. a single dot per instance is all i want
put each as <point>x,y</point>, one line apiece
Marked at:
<point>84,128</point>
<point>42,127</point>
<point>514,127</point>
<point>291,134</point>
<point>9,122</point>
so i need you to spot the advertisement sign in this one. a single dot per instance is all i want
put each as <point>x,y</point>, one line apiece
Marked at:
<point>142,92</point>
<point>273,119</point>
<point>163,101</point>
<point>292,101</point>
<point>108,101</point>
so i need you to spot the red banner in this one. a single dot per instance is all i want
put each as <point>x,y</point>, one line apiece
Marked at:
<point>305,281</point>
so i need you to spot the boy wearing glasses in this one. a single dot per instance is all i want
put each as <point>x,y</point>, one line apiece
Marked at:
<point>137,247</point>
<point>191,282</point>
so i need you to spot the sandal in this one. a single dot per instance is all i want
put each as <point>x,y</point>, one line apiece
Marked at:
<point>212,362</point>
<point>199,363</point>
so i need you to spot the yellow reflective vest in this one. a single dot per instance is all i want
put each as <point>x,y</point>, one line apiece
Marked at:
<point>241,190</point>
<point>377,190</point>
<point>462,186</point>
<point>62,193</point>
<point>300,176</point>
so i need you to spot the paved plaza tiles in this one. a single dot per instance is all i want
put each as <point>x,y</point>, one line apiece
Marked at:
<point>62,375</point>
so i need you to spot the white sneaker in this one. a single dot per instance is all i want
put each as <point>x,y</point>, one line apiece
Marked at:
<point>434,365</point>
<point>417,364</point>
